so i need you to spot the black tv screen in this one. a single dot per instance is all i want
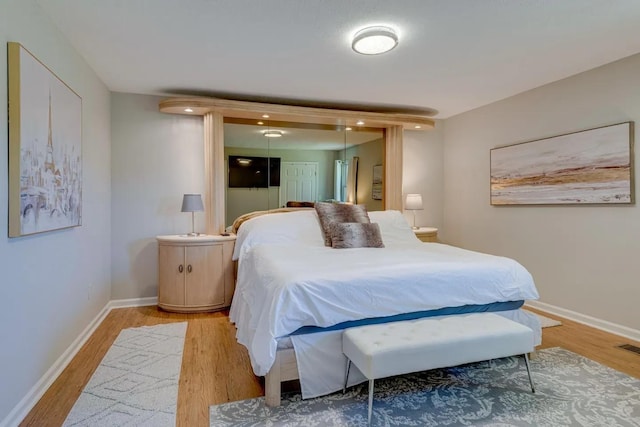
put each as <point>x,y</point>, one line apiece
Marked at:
<point>254,172</point>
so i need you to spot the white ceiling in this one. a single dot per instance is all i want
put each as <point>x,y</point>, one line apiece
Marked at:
<point>453,56</point>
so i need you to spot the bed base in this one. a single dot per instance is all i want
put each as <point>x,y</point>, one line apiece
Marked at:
<point>285,368</point>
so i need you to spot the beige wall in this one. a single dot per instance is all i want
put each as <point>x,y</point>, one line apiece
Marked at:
<point>583,259</point>
<point>369,155</point>
<point>422,173</point>
<point>156,159</point>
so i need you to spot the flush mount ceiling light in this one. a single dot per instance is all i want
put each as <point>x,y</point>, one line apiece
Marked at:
<point>273,133</point>
<point>374,40</point>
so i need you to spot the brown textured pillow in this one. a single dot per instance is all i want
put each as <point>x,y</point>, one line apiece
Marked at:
<point>356,235</point>
<point>330,213</point>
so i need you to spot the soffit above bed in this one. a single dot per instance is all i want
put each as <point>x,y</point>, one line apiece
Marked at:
<point>200,106</point>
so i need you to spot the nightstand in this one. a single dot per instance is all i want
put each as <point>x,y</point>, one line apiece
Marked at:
<point>426,234</point>
<point>195,273</point>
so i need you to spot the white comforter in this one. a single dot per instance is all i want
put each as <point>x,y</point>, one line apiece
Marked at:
<point>282,287</point>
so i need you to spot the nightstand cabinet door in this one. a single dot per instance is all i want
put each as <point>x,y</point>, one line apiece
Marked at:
<point>204,276</point>
<point>171,275</point>
<point>195,273</point>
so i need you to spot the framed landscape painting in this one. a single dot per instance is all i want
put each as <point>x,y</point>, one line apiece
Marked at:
<point>594,166</point>
<point>45,148</point>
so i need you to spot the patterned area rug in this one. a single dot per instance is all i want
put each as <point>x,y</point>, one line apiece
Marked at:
<point>136,384</point>
<point>570,391</point>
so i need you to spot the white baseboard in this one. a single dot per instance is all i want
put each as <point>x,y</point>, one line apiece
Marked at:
<point>20,411</point>
<point>594,322</point>
<point>132,302</point>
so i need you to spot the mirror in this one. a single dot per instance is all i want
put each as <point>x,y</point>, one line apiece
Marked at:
<point>302,163</point>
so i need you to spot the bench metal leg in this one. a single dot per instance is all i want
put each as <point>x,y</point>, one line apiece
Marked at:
<point>370,401</point>
<point>346,376</point>
<point>526,362</point>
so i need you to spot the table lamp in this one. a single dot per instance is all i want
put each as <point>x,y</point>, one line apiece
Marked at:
<point>413,203</point>
<point>192,203</point>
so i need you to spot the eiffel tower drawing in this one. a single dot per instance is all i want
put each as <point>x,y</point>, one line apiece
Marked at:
<point>49,165</point>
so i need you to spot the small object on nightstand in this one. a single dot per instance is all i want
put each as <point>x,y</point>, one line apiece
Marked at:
<point>426,234</point>
<point>413,203</point>
<point>192,203</point>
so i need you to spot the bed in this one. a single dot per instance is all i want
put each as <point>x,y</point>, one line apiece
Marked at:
<point>294,294</point>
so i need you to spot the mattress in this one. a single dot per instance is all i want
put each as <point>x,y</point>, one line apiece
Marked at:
<point>282,288</point>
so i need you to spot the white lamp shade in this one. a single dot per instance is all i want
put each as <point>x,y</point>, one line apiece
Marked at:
<point>413,202</point>
<point>192,203</point>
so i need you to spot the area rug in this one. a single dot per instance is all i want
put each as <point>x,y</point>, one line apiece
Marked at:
<point>570,391</point>
<point>545,322</point>
<point>136,384</point>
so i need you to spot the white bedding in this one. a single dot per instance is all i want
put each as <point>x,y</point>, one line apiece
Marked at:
<point>284,286</point>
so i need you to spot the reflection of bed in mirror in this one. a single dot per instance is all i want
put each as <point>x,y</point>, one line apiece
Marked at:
<point>294,295</point>
<point>312,165</point>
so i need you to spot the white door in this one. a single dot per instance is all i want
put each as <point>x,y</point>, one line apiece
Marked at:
<point>298,182</point>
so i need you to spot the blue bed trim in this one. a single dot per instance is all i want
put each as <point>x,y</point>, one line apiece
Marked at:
<point>496,306</point>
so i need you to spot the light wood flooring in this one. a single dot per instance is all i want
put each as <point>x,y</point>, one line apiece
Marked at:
<point>215,369</point>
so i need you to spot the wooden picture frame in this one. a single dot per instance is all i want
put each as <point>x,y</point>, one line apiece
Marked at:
<point>45,147</point>
<point>590,167</point>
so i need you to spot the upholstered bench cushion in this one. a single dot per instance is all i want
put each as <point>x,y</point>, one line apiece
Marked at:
<point>436,342</point>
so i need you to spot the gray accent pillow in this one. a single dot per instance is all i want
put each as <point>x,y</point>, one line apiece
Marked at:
<point>331,213</point>
<point>356,235</point>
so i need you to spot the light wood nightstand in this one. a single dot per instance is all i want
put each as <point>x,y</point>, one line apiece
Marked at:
<point>426,234</point>
<point>195,273</point>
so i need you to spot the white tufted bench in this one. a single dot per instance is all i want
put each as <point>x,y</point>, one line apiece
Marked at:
<point>398,348</point>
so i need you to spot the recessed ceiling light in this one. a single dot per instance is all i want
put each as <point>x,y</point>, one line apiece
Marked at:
<point>265,116</point>
<point>360,123</point>
<point>188,110</point>
<point>418,127</point>
<point>347,128</point>
<point>273,133</point>
<point>260,123</point>
<point>374,40</point>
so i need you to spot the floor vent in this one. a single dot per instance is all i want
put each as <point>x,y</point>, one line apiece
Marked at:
<point>629,347</point>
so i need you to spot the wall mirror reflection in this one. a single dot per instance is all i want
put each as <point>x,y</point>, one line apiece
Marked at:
<point>275,164</point>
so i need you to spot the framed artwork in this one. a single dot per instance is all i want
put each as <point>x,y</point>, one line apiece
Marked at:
<point>593,166</point>
<point>45,148</point>
<point>376,185</point>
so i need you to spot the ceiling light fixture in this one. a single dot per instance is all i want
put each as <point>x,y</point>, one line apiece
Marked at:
<point>265,116</point>
<point>374,40</point>
<point>347,128</point>
<point>188,110</point>
<point>260,123</point>
<point>360,123</point>
<point>418,127</point>
<point>273,133</point>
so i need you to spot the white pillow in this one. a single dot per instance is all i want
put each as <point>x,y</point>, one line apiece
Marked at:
<point>299,227</point>
<point>394,228</point>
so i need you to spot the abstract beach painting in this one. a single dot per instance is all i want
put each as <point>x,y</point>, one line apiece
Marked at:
<point>588,167</point>
<point>45,148</point>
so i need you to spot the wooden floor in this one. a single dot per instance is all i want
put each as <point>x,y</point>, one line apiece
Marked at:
<point>215,369</point>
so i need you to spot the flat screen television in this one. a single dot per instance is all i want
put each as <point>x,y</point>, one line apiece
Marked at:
<point>254,172</point>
